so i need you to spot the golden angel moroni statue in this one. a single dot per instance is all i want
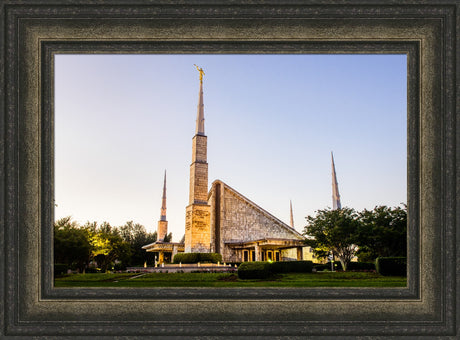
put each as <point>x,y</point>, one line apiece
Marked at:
<point>201,72</point>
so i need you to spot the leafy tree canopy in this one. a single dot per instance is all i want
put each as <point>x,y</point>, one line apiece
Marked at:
<point>76,245</point>
<point>334,231</point>
<point>382,233</point>
<point>71,244</point>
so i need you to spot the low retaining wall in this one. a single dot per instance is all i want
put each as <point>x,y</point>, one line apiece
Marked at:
<point>184,268</point>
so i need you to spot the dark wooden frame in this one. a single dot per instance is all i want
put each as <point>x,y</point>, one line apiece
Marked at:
<point>34,31</point>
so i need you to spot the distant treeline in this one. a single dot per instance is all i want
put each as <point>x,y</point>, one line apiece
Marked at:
<point>369,234</point>
<point>106,246</point>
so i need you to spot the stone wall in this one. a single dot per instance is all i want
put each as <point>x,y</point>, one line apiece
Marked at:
<point>242,221</point>
<point>197,228</point>
<point>235,218</point>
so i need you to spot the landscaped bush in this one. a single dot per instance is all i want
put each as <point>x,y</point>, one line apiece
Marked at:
<point>92,270</point>
<point>197,257</point>
<point>291,267</point>
<point>361,266</point>
<point>391,266</point>
<point>263,270</point>
<point>60,269</point>
<point>352,266</point>
<point>254,270</point>
<point>119,266</point>
<point>210,257</point>
<point>327,266</point>
<point>185,258</point>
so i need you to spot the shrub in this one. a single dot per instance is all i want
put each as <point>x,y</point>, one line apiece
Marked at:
<point>391,266</point>
<point>361,266</point>
<point>60,269</point>
<point>197,257</point>
<point>291,267</point>
<point>92,270</point>
<point>210,257</point>
<point>327,266</point>
<point>352,266</point>
<point>254,270</point>
<point>119,266</point>
<point>186,258</point>
<point>263,270</point>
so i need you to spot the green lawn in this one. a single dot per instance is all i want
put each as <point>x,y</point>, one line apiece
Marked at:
<point>320,279</point>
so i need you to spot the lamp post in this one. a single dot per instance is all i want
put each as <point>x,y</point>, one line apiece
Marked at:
<point>331,258</point>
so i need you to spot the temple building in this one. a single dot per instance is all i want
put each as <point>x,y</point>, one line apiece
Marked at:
<point>224,221</point>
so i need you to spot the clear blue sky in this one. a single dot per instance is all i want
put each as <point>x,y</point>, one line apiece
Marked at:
<point>271,121</point>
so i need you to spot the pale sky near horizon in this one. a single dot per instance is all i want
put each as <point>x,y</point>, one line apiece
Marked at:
<point>271,121</point>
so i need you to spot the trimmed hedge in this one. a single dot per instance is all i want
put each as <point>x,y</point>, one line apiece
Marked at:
<point>352,266</point>
<point>291,267</point>
<point>361,266</point>
<point>60,269</point>
<point>391,266</point>
<point>263,270</point>
<point>197,257</point>
<point>119,266</point>
<point>327,266</point>
<point>93,270</point>
<point>254,270</point>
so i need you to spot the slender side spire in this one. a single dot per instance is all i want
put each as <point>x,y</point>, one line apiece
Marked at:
<point>335,188</point>
<point>200,113</point>
<point>292,217</point>
<point>162,229</point>
<point>163,202</point>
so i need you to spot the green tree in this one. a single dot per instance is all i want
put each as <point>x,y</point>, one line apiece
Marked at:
<point>168,238</point>
<point>137,236</point>
<point>382,233</point>
<point>109,246</point>
<point>72,245</point>
<point>334,231</point>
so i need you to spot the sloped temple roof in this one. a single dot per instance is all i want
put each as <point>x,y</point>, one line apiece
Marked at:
<point>256,207</point>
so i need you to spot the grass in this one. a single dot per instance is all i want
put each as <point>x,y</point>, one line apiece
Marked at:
<point>320,279</point>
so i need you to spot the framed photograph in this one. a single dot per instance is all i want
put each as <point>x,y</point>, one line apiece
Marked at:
<point>124,134</point>
<point>38,34</point>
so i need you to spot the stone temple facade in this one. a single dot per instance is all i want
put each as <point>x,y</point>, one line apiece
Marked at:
<point>240,230</point>
<point>224,221</point>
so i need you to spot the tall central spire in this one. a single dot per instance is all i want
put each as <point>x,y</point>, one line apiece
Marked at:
<point>335,188</point>
<point>199,167</point>
<point>200,111</point>
<point>198,212</point>
<point>163,202</point>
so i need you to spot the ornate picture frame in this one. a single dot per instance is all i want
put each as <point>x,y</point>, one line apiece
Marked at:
<point>427,32</point>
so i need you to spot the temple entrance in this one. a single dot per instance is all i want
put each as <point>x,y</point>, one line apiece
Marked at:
<point>269,255</point>
<point>167,257</point>
<point>245,255</point>
<point>266,250</point>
